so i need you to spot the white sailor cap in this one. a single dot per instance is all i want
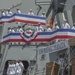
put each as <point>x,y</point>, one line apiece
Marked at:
<point>30,9</point>
<point>43,12</point>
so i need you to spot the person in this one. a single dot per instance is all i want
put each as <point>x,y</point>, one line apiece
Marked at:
<point>65,25</point>
<point>29,30</point>
<point>21,65</point>
<point>12,30</point>
<point>73,26</point>
<point>8,13</point>
<point>9,30</point>
<point>56,26</point>
<point>43,14</point>
<point>19,29</point>
<point>18,11</point>
<point>18,69</point>
<point>60,61</point>
<point>11,68</point>
<point>30,12</point>
<point>3,13</point>
<point>49,29</point>
<point>39,28</point>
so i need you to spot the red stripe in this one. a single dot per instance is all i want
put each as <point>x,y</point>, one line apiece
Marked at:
<point>25,21</point>
<point>11,21</point>
<point>39,40</point>
<point>1,22</point>
<point>31,22</point>
<point>30,40</point>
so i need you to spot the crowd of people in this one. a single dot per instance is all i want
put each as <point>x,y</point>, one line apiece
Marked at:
<point>15,67</point>
<point>35,28</point>
<point>9,13</point>
<point>40,28</point>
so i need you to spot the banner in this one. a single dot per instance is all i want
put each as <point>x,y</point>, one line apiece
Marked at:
<point>39,36</point>
<point>25,18</point>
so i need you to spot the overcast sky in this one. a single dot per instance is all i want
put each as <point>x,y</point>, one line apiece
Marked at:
<point>26,5</point>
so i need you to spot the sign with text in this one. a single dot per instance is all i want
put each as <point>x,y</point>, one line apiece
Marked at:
<point>53,48</point>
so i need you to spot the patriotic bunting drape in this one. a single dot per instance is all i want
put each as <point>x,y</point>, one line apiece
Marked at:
<point>25,18</point>
<point>39,36</point>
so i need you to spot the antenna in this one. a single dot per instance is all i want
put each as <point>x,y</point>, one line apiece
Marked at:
<point>15,6</point>
<point>39,9</point>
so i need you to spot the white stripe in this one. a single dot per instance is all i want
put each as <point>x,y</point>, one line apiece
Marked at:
<point>56,34</point>
<point>30,19</point>
<point>41,36</point>
<point>7,19</point>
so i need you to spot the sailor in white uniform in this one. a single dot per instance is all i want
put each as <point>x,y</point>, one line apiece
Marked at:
<point>30,12</point>
<point>9,29</point>
<point>12,30</point>
<point>18,69</point>
<point>43,14</point>
<point>3,13</point>
<point>60,61</point>
<point>11,68</point>
<point>65,25</point>
<point>73,26</point>
<point>56,26</point>
<point>39,28</point>
<point>19,29</point>
<point>9,13</point>
<point>19,11</point>
<point>49,29</point>
<point>21,65</point>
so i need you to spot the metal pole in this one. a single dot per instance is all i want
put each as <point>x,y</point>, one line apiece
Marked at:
<point>36,58</point>
<point>68,59</point>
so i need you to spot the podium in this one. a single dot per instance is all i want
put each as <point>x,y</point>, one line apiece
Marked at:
<point>52,68</point>
<point>73,66</point>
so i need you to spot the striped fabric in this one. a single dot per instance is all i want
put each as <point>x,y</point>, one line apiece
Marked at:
<point>39,36</point>
<point>30,19</point>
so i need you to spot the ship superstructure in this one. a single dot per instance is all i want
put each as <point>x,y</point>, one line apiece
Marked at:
<point>35,49</point>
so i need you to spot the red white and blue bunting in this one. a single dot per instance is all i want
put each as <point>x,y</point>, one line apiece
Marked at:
<point>39,36</point>
<point>24,18</point>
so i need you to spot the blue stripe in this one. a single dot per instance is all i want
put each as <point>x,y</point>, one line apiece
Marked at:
<point>40,33</point>
<point>59,30</point>
<point>11,34</point>
<point>23,15</point>
<point>6,17</point>
<point>31,16</point>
